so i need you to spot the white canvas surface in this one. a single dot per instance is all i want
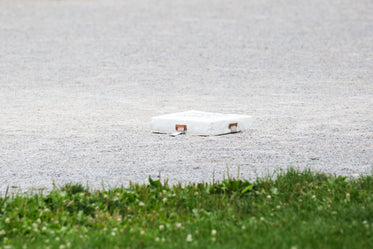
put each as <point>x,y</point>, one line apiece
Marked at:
<point>201,123</point>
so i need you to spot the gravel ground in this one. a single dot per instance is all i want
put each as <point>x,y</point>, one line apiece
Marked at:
<point>80,81</point>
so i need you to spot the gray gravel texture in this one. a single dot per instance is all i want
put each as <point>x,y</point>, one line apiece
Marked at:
<point>80,81</point>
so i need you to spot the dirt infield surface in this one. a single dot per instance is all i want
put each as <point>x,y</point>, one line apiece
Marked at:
<point>80,81</point>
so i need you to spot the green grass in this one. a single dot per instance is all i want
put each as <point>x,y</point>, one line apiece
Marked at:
<point>295,210</point>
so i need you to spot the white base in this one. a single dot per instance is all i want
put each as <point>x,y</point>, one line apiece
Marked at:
<point>200,123</point>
